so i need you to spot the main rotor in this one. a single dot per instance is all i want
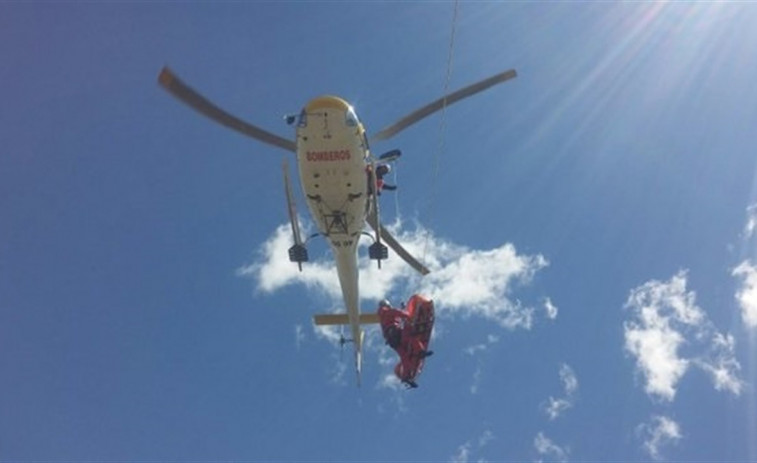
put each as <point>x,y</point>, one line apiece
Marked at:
<point>195,100</point>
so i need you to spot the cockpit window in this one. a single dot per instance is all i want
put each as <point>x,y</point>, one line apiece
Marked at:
<point>350,118</point>
<point>303,119</point>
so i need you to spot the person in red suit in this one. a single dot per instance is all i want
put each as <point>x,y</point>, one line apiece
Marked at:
<point>396,328</point>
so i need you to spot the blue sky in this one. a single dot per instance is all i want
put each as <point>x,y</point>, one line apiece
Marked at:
<point>590,229</point>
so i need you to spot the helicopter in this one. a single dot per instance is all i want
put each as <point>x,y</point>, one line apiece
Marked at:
<point>337,173</point>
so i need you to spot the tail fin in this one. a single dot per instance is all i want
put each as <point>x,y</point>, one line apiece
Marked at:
<point>343,319</point>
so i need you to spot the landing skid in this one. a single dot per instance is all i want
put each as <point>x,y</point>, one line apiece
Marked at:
<point>377,251</point>
<point>297,253</point>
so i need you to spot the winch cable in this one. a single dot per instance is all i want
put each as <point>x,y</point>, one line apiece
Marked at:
<point>441,146</point>
<point>396,196</point>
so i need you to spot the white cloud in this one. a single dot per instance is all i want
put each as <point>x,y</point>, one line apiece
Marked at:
<point>485,438</point>
<point>720,363</point>
<point>299,336</point>
<point>556,406</point>
<point>751,223</point>
<point>387,356</point>
<point>463,282</point>
<point>470,282</point>
<point>544,446</point>
<point>550,308</point>
<point>390,381</point>
<point>328,333</point>
<point>747,293</point>
<point>273,270</point>
<point>569,380</point>
<point>466,450</point>
<point>658,432</point>
<point>664,318</point>
<point>657,357</point>
<point>462,455</point>
<point>472,350</point>
<point>338,371</point>
<point>476,380</point>
<point>396,400</point>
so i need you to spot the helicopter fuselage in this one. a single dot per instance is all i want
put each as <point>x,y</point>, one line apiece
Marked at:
<point>333,160</point>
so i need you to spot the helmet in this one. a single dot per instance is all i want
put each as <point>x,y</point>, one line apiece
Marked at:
<point>384,303</point>
<point>383,169</point>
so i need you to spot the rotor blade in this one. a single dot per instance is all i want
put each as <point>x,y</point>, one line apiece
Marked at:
<point>182,91</point>
<point>394,244</point>
<point>430,108</point>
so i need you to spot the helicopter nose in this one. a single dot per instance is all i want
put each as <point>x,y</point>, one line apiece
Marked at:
<point>327,102</point>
